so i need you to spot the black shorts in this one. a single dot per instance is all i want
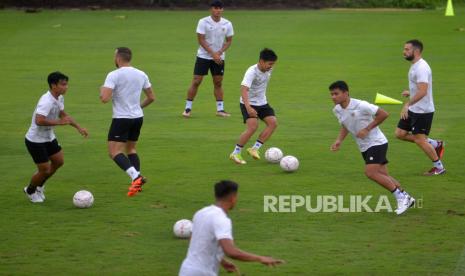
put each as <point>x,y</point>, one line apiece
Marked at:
<point>417,123</point>
<point>262,111</point>
<point>41,152</point>
<point>376,155</point>
<point>202,66</point>
<point>123,129</point>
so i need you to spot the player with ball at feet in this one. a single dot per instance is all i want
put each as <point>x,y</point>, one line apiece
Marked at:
<point>40,139</point>
<point>254,106</point>
<point>361,119</point>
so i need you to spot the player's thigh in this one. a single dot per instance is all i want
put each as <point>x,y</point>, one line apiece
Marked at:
<point>376,155</point>
<point>265,112</point>
<point>372,170</point>
<point>271,121</point>
<point>57,159</point>
<point>245,114</point>
<point>422,123</point>
<point>119,130</point>
<point>217,80</point>
<point>38,152</point>
<point>217,69</point>
<point>134,129</point>
<point>201,66</point>
<point>252,124</point>
<point>114,148</point>
<point>383,169</point>
<point>404,126</point>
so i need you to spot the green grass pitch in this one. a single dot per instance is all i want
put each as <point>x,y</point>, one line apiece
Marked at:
<point>183,158</point>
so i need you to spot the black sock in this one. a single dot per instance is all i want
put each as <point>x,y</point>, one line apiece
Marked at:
<point>122,161</point>
<point>30,189</point>
<point>134,159</point>
<point>43,182</point>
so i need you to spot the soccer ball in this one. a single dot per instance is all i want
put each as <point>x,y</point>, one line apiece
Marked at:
<point>289,163</point>
<point>83,199</point>
<point>273,155</point>
<point>182,228</point>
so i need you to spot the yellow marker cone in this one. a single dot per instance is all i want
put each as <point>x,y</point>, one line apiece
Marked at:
<point>449,8</point>
<point>381,99</point>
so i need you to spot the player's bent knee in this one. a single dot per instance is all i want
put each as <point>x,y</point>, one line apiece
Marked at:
<point>370,173</point>
<point>218,84</point>
<point>400,134</point>
<point>59,163</point>
<point>196,81</point>
<point>44,169</point>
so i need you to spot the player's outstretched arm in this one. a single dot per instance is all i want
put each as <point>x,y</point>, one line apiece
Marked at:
<point>149,97</point>
<point>235,253</point>
<point>105,94</point>
<point>342,135</point>
<point>72,122</point>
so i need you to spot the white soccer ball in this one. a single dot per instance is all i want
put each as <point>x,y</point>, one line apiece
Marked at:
<point>83,199</point>
<point>182,228</point>
<point>289,163</point>
<point>273,155</point>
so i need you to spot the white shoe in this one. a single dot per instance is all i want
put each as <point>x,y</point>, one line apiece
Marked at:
<point>40,190</point>
<point>186,113</point>
<point>35,198</point>
<point>404,204</point>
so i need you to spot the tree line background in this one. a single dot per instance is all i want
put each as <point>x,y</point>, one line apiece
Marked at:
<point>199,4</point>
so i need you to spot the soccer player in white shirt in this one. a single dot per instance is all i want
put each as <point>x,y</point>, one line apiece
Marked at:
<point>212,237</point>
<point>254,106</point>
<point>361,119</point>
<point>417,114</point>
<point>124,86</point>
<point>40,139</point>
<point>214,35</point>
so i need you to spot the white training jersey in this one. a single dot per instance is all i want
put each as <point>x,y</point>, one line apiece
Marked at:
<point>256,81</point>
<point>49,107</point>
<point>421,72</point>
<point>215,34</point>
<point>357,116</point>
<point>127,84</point>
<point>210,224</point>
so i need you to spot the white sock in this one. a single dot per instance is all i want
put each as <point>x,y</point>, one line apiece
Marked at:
<point>237,149</point>
<point>219,106</point>
<point>438,164</point>
<point>257,145</point>
<point>433,142</point>
<point>398,194</point>
<point>188,104</point>
<point>132,172</point>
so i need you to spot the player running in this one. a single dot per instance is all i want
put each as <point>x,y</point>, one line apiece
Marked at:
<point>362,119</point>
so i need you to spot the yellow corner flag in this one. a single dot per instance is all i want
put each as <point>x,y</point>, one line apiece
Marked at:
<point>449,8</point>
<point>381,99</point>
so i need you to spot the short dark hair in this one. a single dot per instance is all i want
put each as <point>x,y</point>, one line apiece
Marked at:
<point>268,55</point>
<point>55,78</point>
<point>340,84</point>
<point>124,53</point>
<point>416,44</point>
<point>224,188</point>
<point>216,4</point>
